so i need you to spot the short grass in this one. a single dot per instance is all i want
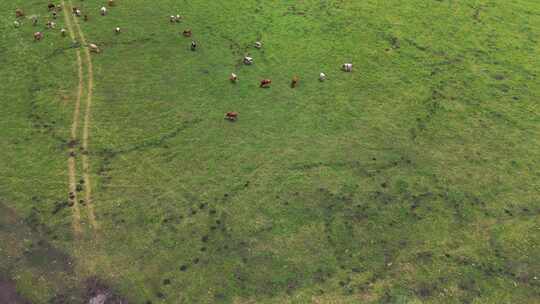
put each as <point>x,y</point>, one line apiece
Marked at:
<point>414,179</point>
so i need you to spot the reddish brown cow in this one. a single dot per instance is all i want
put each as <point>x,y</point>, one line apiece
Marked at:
<point>19,13</point>
<point>187,33</point>
<point>111,3</point>
<point>265,83</point>
<point>294,82</point>
<point>231,116</point>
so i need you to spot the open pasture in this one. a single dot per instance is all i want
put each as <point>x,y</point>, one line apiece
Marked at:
<point>415,178</point>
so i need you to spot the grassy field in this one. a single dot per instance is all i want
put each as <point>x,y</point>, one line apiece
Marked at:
<point>413,179</point>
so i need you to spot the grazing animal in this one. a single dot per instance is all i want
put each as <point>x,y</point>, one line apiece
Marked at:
<point>77,12</point>
<point>85,17</point>
<point>54,15</point>
<point>63,32</point>
<point>103,11</point>
<point>294,82</point>
<point>117,30</point>
<point>265,83</point>
<point>233,77</point>
<point>178,18</point>
<point>51,6</point>
<point>38,36</point>
<point>16,23</point>
<point>231,116</point>
<point>94,48</point>
<point>193,45</point>
<point>111,3</point>
<point>172,19</point>
<point>347,67</point>
<point>322,77</point>
<point>258,44</point>
<point>34,20</point>
<point>187,33</point>
<point>19,13</point>
<point>248,60</point>
<point>50,24</point>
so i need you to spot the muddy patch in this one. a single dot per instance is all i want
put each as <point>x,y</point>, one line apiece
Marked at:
<point>98,292</point>
<point>8,293</point>
<point>31,250</point>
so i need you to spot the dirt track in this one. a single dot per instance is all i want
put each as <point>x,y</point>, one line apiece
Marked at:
<point>74,30</point>
<point>86,128</point>
<point>72,166</point>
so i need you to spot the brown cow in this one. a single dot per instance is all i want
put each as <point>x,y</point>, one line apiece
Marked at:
<point>51,6</point>
<point>19,13</point>
<point>38,36</point>
<point>265,83</point>
<point>231,116</point>
<point>85,17</point>
<point>294,82</point>
<point>111,3</point>
<point>187,33</point>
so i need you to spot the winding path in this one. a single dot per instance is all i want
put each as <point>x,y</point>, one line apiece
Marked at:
<point>72,166</point>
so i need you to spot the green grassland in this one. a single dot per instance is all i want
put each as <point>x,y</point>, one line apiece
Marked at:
<point>414,179</point>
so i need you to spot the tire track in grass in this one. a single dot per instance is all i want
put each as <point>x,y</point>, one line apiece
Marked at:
<point>72,166</point>
<point>86,128</point>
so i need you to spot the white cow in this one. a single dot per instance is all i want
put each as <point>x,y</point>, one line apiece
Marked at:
<point>117,30</point>
<point>63,32</point>
<point>103,11</point>
<point>347,67</point>
<point>38,36</point>
<point>94,48</point>
<point>16,23</point>
<point>258,44</point>
<point>248,60</point>
<point>322,76</point>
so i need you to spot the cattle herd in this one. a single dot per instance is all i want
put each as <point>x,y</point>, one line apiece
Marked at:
<point>247,60</point>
